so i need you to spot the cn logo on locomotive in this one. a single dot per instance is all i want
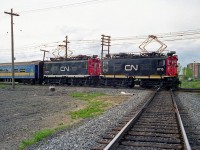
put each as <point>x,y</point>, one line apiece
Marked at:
<point>131,67</point>
<point>64,68</point>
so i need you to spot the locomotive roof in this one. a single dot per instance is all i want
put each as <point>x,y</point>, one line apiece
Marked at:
<point>135,56</point>
<point>74,58</point>
<point>64,61</point>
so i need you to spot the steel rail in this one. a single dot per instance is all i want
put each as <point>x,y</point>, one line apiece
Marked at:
<point>183,132</point>
<point>122,132</point>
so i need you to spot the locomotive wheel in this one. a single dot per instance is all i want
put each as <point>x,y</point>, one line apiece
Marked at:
<point>132,85</point>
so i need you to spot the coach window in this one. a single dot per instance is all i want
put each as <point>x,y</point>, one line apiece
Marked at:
<point>22,70</point>
<point>15,70</point>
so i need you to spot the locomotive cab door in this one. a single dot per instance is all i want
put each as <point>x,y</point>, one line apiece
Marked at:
<point>94,67</point>
<point>105,66</point>
<point>161,67</point>
<point>171,67</point>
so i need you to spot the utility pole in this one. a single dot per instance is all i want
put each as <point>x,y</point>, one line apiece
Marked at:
<point>105,41</point>
<point>12,45</point>
<point>44,53</point>
<point>66,46</point>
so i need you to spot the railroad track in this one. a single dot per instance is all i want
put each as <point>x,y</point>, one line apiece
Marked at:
<point>157,125</point>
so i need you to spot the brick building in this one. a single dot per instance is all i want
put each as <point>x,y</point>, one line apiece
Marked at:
<point>195,67</point>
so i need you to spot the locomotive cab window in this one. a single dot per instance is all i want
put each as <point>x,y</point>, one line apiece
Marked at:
<point>85,65</point>
<point>105,66</point>
<point>161,62</point>
<point>169,62</point>
<point>95,66</point>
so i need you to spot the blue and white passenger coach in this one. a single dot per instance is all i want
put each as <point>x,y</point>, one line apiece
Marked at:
<point>24,72</point>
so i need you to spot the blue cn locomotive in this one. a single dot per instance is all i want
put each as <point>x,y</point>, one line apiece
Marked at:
<point>79,70</point>
<point>147,70</point>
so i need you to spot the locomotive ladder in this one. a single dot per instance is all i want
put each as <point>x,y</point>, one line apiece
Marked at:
<point>156,125</point>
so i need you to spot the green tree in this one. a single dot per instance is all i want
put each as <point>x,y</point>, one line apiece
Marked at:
<point>187,73</point>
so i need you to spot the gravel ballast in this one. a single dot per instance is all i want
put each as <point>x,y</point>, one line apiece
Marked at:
<point>189,105</point>
<point>31,108</point>
<point>86,135</point>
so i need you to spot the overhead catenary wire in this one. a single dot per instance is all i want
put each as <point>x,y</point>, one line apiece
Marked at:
<point>140,37</point>
<point>87,44</point>
<point>93,43</point>
<point>65,5</point>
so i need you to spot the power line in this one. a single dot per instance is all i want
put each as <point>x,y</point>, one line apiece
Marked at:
<point>172,35</point>
<point>161,35</point>
<point>67,5</point>
<point>114,41</point>
<point>90,43</point>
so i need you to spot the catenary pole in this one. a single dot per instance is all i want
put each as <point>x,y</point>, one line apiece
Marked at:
<point>66,47</point>
<point>44,53</point>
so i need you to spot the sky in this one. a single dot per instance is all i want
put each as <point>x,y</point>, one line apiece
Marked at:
<point>44,24</point>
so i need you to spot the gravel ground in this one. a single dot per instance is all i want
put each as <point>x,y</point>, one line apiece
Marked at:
<point>86,135</point>
<point>189,105</point>
<point>31,108</point>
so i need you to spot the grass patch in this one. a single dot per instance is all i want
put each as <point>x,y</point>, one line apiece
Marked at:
<point>38,136</point>
<point>93,108</point>
<point>3,86</point>
<point>86,96</point>
<point>95,105</point>
<point>190,84</point>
